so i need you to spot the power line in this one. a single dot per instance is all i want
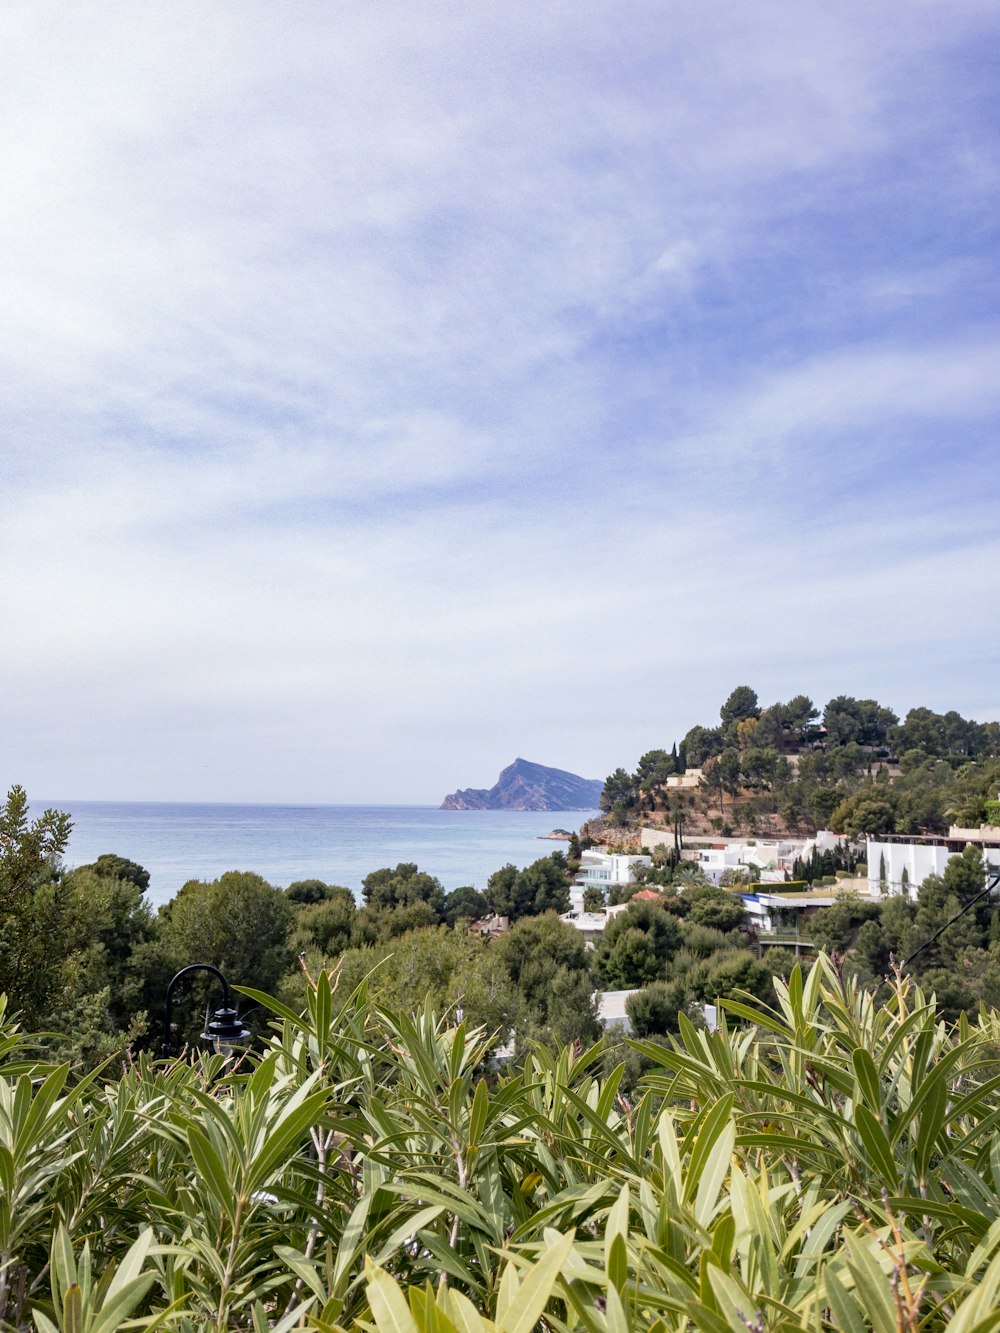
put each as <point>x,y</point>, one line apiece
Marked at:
<point>992,884</point>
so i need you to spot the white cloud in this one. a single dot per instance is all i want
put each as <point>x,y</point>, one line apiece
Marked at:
<point>423,379</point>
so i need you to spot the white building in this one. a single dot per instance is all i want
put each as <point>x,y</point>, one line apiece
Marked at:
<point>899,863</point>
<point>611,1010</point>
<point>611,1007</point>
<point>765,859</point>
<point>603,870</point>
<point>591,924</point>
<point>784,912</point>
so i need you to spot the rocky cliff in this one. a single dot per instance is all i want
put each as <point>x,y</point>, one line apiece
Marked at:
<point>526,786</point>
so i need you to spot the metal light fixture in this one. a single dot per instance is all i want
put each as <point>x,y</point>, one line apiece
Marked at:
<point>224,1028</point>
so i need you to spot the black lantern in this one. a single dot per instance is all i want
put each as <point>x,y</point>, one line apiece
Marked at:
<point>224,1029</point>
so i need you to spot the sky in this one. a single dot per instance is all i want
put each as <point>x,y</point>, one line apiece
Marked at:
<point>388,391</point>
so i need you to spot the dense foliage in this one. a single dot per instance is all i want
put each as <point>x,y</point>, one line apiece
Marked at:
<point>829,1164</point>
<point>961,965</point>
<point>824,1161</point>
<point>854,768</point>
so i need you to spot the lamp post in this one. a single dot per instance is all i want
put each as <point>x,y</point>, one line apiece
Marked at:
<point>223,1028</point>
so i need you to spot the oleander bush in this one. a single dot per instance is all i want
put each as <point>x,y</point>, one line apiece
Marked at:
<point>833,1163</point>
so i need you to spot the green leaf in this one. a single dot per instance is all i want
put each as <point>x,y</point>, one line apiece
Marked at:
<point>479,1112</point>
<point>873,1136</point>
<point>131,1266</point>
<point>114,1311</point>
<point>269,1002</point>
<point>283,1137</point>
<point>389,1308</point>
<point>616,1319</point>
<point>982,1303</point>
<point>72,1310</point>
<point>536,1288</point>
<point>872,1286</point>
<point>464,1314</point>
<point>932,1117</point>
<point>847,1315</point>
<point>211,1169</point>
<point>304,1269</point>
<point>63,1259</point>
<point>616,1263</point>
<point>866,1073</point>
<point>507,1292</point>
<point>712,1126</point>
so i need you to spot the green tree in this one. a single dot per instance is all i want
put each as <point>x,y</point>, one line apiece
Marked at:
<point>700,744</point>
<point>653,1011</point>
<point>759,768</point>
<point>708,905</point>
<point>731,974</point>
<point>728,764</point>
<point>239,923</point>
<point>112,866</point>
<point>112,972</point>
<point>654,768</point>
<point>965,874</point>
<point>934,734</point>
<point>863,813</point>
<point>741,704</point>
<point>420,967</point>
<point>799,713</point>
<point>31,951</point>
<point>325,924</point>
<point>636,946</point>
<point>306,891</point>
<point>549,965</point>
<point>619,795</point>
<point>387,890</point>
<point>541,887</point>
<point>593,899</point>
<point>464,904</point>
<point>835,928</point>
<point>937,904</point>
<point>722,774</point>
<point>374,925</point>
<point>862,720</point>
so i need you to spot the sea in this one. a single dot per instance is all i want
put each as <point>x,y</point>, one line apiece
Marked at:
<point>339,844</point>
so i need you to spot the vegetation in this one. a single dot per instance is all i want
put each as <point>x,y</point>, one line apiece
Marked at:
<point>87,961</point>
<point>366,1168</point>
<point>962,966</point>
<point>372,1161</point>
<point>856,769</point>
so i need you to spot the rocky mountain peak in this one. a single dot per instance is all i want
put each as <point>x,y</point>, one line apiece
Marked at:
<point>524,785</point>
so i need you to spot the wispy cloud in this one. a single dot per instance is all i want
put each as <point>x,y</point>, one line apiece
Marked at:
<point>384,388</point>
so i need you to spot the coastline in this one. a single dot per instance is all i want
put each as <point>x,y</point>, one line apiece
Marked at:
<point>336,844</point>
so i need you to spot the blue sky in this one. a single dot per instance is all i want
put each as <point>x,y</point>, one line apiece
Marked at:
<point>389,391</point>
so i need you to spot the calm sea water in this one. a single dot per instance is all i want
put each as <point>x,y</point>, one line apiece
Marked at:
<point>336,843</point>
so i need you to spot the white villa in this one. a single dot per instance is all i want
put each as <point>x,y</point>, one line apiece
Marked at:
<point>781,915</point>
<point>602,870</point>
<point>766,859</point>
<point>899,863</point>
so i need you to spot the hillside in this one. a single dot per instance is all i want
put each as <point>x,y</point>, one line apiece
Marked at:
<point>790,769</point>
<point>526,786</point>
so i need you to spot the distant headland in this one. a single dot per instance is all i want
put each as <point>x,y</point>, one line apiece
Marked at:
<point>526,786</point>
